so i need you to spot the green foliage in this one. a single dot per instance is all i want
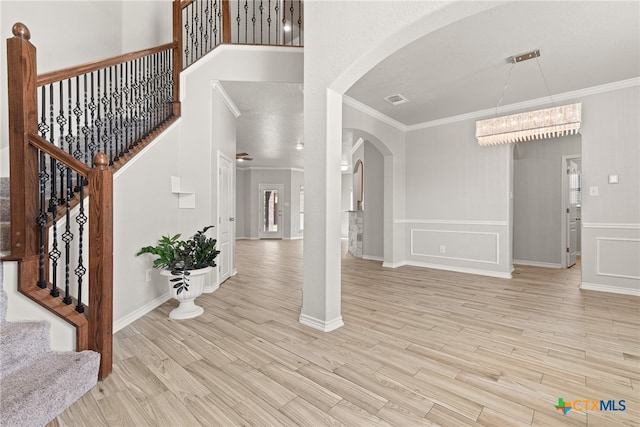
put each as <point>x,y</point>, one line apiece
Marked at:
<point>180,256</point>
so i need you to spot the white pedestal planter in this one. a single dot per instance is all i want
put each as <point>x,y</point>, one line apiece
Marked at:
<point>188,308</point>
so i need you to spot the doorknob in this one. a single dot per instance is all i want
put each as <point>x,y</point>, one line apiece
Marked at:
<point>232,219</point>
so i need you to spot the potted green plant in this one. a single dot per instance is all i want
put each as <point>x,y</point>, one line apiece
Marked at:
<point>185,263</point>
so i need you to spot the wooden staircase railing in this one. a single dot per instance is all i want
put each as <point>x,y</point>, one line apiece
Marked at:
<point>105,112</point>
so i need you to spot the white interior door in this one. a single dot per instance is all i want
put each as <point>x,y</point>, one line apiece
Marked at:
<point>225,218</point>
<point>573,193</point>
<point>270,198</point>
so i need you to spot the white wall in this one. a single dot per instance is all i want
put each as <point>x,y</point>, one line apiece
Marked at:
<point>241,210</point>
<point>154,30</point>
<point>537,199</point>
<point>296,228</point>
<point>611,220</point>
<point>345,202</point>
<point>457,201</point>
<point>374,174</point>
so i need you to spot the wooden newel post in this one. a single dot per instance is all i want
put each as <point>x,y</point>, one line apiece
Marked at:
<point>226,22</point>
<point>23,120</point>
<point>101,262</point>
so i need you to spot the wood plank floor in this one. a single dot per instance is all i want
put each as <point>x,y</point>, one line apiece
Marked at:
<point>419,347</point>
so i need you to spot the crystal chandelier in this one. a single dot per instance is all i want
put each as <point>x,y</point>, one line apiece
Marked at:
<point>538,124</point>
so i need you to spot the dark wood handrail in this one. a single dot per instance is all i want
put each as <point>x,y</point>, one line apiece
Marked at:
<point>59,154</point>
<point>67,73</point>
<point>185,3</point>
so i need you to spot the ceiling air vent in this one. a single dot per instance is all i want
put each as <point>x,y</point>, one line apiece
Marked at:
<point>396,99</point>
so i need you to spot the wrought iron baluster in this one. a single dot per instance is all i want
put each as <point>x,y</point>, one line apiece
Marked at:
<point>70,137</point>
<point>218,28</point>
<point>110,114</point>
<point>205,36</point>
<point>80,270</point>
<point>299,22</point>
<point>191,36</point>
<point>277,10</point>
<point>43,177</point>
<point>253,20</point>
<point>238,23</point>
<point>246,21</point>
<point>291,9</point>
<point>261,20</point>
<point>104,100</point>
<point>127,93</point>
<point>67,238</point>
<point>86,131</point>
<point>269,21</point>
<point>54,253</point>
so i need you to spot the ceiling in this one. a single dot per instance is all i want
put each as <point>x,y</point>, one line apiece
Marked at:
<point>462,68</point>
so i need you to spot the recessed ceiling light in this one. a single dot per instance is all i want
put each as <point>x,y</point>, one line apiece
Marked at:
<point>396,99</point>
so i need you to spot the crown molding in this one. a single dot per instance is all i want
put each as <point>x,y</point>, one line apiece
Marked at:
<point>217,86</point>
<point>373,113</point>
<point>269,168</point>
<point>594,90</point>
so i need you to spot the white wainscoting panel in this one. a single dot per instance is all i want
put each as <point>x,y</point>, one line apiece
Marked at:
<point>618,257</point>
<point>459,245</point>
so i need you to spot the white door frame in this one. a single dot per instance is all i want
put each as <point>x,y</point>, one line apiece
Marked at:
<point>565,205</point>
<point>280,233</point>
<point>230,218</point>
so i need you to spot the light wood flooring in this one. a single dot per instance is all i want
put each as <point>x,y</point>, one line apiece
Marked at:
<point>419,347</point>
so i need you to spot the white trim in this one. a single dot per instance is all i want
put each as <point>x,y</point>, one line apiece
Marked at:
<point>537,263</point>
<point>497,235</point>
<point>373,113</point>
<point>611,225</point>
<point>217,86</point>
<point>355,147</point>
<point>271,168</point>
<point>321,325</point>
<point>528,104</point>
<point>460,269</point>
<point>136,314</point>
<point>612,239</point>
<point>450,222</point>
<point>211,287</point>
<point>145,150</point>
<point>293,238</point>
<point>607,288</point>
<point>372,258</point>
<point>393,264</point>
<point>622,84</point>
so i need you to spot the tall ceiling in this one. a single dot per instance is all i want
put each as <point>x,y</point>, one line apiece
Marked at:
<point>463,68</point>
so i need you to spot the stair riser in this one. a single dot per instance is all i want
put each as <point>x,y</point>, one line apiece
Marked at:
<point>22,343</point>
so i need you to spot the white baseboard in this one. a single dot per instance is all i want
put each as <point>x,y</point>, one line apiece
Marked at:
<point>537,263</point>
<point>609,288</point>
<point>135,315</point>
<point>295,238</point>
<point>393,264</point>
<point>456,269</point>
<point>210,288</point>
<point>373,258</point>
<point>321,325</point>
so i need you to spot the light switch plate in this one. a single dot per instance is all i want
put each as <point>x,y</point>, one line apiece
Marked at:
<point>613,179</point>
<point>593,190</point>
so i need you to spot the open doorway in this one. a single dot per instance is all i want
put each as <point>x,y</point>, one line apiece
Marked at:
<point>542,228</point>
<point>270,219</point>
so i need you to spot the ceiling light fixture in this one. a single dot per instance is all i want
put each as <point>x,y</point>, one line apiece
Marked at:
<point>344,166</point>
<point>539,124</point>
<point>299,146</point>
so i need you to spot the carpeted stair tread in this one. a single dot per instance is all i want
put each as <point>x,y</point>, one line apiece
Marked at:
<point>3,297</point>
<point>21,343</point>
<point>36,394</point>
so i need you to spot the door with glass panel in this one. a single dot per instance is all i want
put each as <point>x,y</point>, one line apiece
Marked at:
<point>270,220</point>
